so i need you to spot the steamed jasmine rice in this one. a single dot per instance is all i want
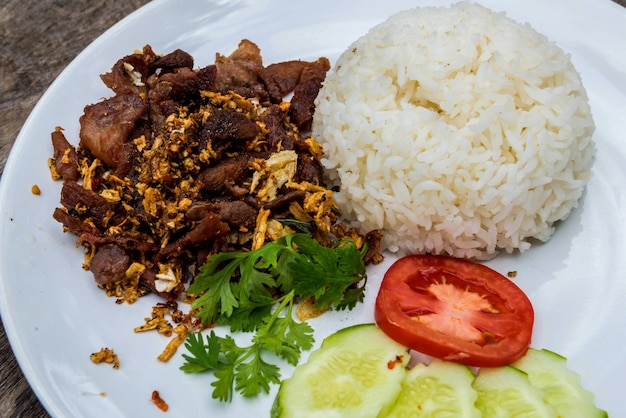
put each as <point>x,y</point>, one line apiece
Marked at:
<point>455,131</point>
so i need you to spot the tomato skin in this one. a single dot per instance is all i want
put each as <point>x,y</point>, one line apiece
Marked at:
<point>409,312</point>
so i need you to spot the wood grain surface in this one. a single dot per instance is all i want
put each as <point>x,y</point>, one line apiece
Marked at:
<point>38,39</point>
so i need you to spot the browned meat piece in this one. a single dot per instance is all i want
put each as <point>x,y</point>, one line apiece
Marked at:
<point>184,83</point>
<point>239,72</point>
<point>109,264</point>
<point>234,170</point>
<point>74,196</point>
<point>303,101</point>
<point>175,59</point>
<point>199,210</point>
<point>238,214</point>
<point>105,126</point>
<point>166,93</point>
<point>235,191</point>
<point>302,104</point>
<point>247,51</point>
<point>235,213</point>
<point>128,157</point>
<point>209,228</point>
<point>276,123</point>
<point>119,79</point>
<point>88,233</point>
<point>74,224</point>
<point>309,170</point>
<point>229,125</point>
<point>373,247</point>
<point>284,199</point>
<point>283,77</point>
<point>65,156</point>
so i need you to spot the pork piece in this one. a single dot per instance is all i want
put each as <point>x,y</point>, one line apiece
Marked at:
<point>238,214</point>
<point>129,74</point>
<point>109,264</point>
<point>128,158</point>
<point>235,213</point>
<point>228,125</point>
<point>303,101</point>
<point>171,90</point>
<point>88,233</point>
<point>233,170</point>
<point>183,84</point>
<point>74,196</point>
<point>236,191</point>
<point>175,59</point>
<point>239,72</point>
<point>309,170</point>
<point>373,239</point>
<point>105,126</point>
<point>283,77</point>
<point>74,224</point>
<point>275,122</point>
<point>65,156</point>
<point>209,228</point>
<point>285,199</point>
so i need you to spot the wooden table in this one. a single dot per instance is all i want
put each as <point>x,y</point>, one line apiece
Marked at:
<point>38,39</point>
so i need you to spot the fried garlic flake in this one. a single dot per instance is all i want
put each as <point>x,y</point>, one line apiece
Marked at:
<point>261,228</point>
<point>307,310</point>
<point>157,322</point>
<point>106,355</point>
<point>181,335</point>
<point>278,170</point>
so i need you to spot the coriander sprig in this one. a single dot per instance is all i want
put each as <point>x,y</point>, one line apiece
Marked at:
<point>243,369</point>
<point>256,291</point>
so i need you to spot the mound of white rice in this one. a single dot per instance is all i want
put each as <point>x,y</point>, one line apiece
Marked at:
<point>455,131</point>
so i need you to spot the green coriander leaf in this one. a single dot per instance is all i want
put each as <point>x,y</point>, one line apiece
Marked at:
<point>267,256</point>
<point>272,338</point>
<point>215,281</point>
<point>253,280</point>
<point>231,350</point>
<point>283,272</point>
<point>350,260</point>
<point>328,272</point>
<point>282,335</point>
<point>255,376</point>
<point>203,357</point>
<point>249,315</point>
<point>224,383</point>
<point>351,297</point>
<point>300,334</point>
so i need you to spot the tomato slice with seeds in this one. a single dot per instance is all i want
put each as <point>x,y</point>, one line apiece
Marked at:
<point>454,309</point>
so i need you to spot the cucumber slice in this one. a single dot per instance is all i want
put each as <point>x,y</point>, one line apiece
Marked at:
<point>561,387</point>
<point>356,372</point>
<point>506,392</point>
<point>441,389</point>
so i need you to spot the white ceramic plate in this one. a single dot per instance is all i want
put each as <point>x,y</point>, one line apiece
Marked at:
<point>55,316</point>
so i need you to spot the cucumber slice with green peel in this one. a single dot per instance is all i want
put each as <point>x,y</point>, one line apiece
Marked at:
<point>505,392</point>
<point>561,386</point>
<point>357,372</point>
<point>441,389</point>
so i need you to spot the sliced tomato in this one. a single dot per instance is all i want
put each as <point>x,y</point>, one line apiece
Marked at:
<point>454,309</point>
